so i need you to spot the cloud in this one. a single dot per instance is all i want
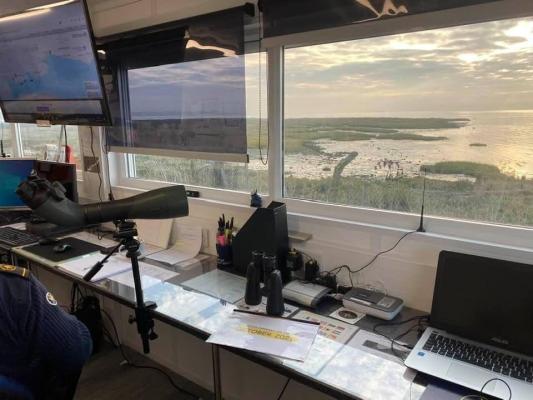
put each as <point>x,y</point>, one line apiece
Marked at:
<point>419,71</point>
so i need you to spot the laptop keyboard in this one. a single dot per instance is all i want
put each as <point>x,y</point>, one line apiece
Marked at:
<point>14,237</point>
<point>491,360</point>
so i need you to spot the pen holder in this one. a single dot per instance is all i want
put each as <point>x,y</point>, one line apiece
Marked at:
<point>225,256</point>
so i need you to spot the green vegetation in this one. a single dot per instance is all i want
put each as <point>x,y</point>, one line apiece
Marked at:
<point>337,173</point>
<point>508,201</point>
<point>494,197</point>
<point>475,170</point>
<point>301,134</point>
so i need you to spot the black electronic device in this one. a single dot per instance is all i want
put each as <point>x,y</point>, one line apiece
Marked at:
<point>270,264</point>
<point>60,172</point>
<point>311,270</point>
<point>88,312</point>
<point>252,296</point>
<point>480,326</point>
<point>275,305</point>
<point>50,70</point>
<point>62,248</point>
<point>13,237</point>
<point>295,260</point>
<point>266,231</point>
<point>377,304</point>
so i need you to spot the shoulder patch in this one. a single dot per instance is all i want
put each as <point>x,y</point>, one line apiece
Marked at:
<point>11,269</point>
<point>51,299</point>
<point>7,268</point>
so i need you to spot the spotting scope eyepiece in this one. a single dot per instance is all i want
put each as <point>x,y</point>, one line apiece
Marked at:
<point>48,201</point>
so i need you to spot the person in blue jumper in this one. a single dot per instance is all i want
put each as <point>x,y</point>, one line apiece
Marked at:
<point>42,348</point>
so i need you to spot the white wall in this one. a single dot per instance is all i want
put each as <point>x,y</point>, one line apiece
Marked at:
<point>113,16</point>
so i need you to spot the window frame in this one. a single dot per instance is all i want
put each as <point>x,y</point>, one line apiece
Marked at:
<point>438,227</point>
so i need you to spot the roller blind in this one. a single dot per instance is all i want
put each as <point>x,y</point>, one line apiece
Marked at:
<point>282,17</point>
<point>178,89</point>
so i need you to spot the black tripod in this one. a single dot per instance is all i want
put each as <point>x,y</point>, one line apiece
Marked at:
<point>126,233</point>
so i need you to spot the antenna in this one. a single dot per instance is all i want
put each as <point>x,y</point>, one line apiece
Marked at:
<point>421,226</point>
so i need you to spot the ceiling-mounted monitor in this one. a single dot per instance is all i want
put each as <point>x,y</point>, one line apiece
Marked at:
<point>49,72</point>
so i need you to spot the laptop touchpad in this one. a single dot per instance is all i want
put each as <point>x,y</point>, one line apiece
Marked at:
<point>471,376</point>
<point>474,378</point>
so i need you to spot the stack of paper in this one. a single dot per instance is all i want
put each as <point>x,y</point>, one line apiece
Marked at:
<point>81,265</point>
<point>187,246</point>
<point>150,276</point>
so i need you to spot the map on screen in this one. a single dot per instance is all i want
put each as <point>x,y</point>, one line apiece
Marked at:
<point>47,54</point>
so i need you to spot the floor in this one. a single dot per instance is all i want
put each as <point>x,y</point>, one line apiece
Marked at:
<point>103,378</point>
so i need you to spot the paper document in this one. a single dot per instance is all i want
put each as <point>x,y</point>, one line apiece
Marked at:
<point>181,304</point>
<point>329,328</point>
<point>150,276</point>
<point>220,284</point>
<point>187,246</point>
<point>148,249</point>
<point>280,337</point>
<point>155,232</point>
<point>322,351</point>
<point>81,265</point>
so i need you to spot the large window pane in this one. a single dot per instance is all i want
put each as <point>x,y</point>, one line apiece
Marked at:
<point>216,174</point>
<point>34,140</point>
<point>365,119</point>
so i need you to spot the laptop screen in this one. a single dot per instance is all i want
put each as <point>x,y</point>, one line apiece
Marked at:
<point>485,299</point>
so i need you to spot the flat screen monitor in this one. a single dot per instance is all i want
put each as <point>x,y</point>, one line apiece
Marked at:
<point>49,70</point>
<point>12,172</point>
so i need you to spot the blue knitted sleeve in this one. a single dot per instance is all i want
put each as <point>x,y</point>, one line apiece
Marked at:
<point>59,339</point>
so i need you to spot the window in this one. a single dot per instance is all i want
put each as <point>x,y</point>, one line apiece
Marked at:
<point>365,120</point>
<point>34,140</point>
<point>216,174</point>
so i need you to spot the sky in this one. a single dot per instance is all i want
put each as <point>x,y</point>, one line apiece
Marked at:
<point>485,66</point>
<point>479,67</point>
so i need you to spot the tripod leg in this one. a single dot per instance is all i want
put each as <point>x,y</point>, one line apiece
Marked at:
<point>145,323</point>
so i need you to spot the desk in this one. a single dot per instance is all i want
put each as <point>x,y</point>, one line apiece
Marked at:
<point>340,370</point>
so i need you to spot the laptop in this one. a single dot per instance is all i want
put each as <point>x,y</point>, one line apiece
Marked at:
<point>481,326</point>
